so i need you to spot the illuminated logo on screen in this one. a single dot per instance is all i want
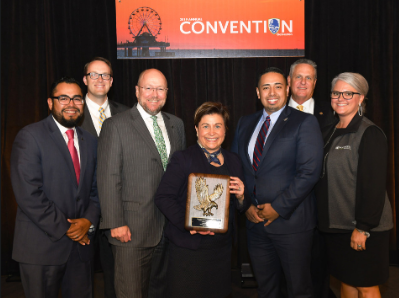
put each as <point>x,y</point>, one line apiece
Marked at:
<point>274,25</point>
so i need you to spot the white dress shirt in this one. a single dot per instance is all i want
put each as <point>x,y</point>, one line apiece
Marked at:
<point>273,119</point>
<point>63,130</point>
<point>150,125</point>
<point>308,106</point>
<point>95,114</point>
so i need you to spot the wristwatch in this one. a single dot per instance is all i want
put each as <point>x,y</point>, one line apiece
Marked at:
<point>91,231</point>
<point>363,232</point>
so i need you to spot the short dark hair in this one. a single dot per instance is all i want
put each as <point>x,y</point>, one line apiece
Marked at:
<point>209,108</point>
<point>67,80</point>
<point>106,61</point>
<point>272,69</point>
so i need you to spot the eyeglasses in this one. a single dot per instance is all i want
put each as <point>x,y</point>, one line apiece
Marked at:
<point>64,100</point>
<point>95,76</point>
<point>345,94</point>
<point>160,90</point>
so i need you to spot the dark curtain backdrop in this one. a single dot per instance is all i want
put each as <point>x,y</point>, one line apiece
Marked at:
<point>44,39</point>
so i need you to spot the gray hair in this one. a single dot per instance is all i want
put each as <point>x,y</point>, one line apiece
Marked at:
<point>356,80</point>
<point>303,61</point>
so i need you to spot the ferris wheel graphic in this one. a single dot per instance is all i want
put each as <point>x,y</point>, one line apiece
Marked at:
<point>144,20</point>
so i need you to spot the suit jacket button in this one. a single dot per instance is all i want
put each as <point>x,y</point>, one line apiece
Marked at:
<point>78,199</point>
<point>256,177</point>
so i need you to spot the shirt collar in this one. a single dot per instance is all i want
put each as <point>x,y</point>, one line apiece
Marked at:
<point>274,116</point>
<point>353,126</point>
<point>62,128</point>
<point>94,106</point>
<point>144,114</point>
<point>292,103</point>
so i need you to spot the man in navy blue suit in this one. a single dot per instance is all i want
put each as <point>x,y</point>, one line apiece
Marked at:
<point>53,174</point>
<point>281,150</point>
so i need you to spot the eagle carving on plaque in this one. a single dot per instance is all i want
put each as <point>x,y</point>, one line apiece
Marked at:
<point>207,202</point>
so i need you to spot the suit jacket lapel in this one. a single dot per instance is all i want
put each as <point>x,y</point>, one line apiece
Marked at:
<point>171,134</point>
<point>141,127</point>
<point>83,154</point>
<point>88,122</point>
<point>58,139</point>
<point>112,107</point>
<point>281,121</point>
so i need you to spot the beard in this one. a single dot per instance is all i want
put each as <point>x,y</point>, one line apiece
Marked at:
<point>274,108</point>
<point>151,112</point>
<point>65,122</point>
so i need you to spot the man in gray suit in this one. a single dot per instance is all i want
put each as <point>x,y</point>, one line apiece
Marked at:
<point>134,148</point>
<point>98,77</point>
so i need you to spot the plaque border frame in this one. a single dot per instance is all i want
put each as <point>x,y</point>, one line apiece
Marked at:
<point>223,200</point>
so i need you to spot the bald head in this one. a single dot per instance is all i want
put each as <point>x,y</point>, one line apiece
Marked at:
<point>151,90</point>
<point>151,73</point>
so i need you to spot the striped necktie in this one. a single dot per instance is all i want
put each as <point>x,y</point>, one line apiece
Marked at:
<point>160,142</point>
<point>260,142</point>
<point>102,117</point>
<point>258,150</point>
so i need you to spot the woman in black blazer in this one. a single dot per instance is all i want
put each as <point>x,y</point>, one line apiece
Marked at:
<point>200,262</point>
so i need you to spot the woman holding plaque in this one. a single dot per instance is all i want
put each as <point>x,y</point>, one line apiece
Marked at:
<point>354,211</point>
<point>200,262</point>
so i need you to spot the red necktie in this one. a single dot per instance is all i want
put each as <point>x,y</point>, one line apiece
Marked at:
<point>74,153</point>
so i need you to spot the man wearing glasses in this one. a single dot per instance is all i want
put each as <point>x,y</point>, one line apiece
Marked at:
<point>97,76</point>
<point>53,174</point>
<point>134,149</point>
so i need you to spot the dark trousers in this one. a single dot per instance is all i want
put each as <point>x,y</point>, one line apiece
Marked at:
<point>140,272</point>
<point>74,278</point>
<point>107,263</point>
<point>319,267</point>
<point>273,255</point>
<point>318,270</point>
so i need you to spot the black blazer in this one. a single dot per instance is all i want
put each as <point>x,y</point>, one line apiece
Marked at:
<point>171,195</point>
<point>87,122</point>
<point>323,113</point>
<point>45,187</point>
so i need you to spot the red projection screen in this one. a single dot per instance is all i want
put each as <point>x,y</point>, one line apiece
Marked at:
<point>209,28</point>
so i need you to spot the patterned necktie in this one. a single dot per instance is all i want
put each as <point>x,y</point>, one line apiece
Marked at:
<point>300,107</point>
<point>260,142</point>
<point>160,142</point>
<point>212,157</point>
<point>102,117</point>
<point>74,153</point>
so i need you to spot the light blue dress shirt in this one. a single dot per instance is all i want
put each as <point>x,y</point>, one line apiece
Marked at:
<point>273,119</point>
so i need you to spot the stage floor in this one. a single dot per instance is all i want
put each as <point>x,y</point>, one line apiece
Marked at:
<point>388,290</point>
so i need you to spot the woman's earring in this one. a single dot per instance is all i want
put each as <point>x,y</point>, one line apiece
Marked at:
<point>360,110</point>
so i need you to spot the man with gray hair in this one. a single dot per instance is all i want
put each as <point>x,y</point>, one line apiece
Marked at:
<point>302,81</point>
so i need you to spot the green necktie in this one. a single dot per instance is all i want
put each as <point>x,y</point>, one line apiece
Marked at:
<point>160,142</point>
